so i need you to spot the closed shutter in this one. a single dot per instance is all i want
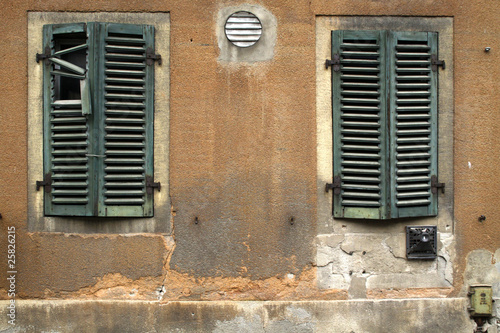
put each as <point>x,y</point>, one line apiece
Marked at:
<point>384,97</point>
<point>359,124</point>
<point>127,126</point>
<point>66,127</point>
<point>413,112</point>
<point>106,145</point>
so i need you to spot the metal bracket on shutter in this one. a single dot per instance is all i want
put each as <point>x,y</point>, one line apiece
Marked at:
<point>44,56</point>
<point>335,63</point>
<point>151,57</point>
<point>46,183</point>
<point>150,185</point>
<point>335,186</point>
<point>437,63</point>
<point>435,185</point>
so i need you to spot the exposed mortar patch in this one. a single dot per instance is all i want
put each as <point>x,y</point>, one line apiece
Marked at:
<point>178,286</point>
<point>378,261</point>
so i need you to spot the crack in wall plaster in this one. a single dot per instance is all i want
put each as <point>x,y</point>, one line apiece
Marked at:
<point>170,243</point>
<point>390,249</point>
<point>345,251</point>
<point>442,262</point>
<point>446,253</point>
<point>325,249</point>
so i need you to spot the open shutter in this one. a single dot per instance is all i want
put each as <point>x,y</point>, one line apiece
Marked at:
<point>126,126</point>
<point>359,124</point>
<point>413,118</point>
<point>66,128</point>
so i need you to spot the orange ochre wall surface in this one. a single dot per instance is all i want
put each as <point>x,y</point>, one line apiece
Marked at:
<point>242,158</point>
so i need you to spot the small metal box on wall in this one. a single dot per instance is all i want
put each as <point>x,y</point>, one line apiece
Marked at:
<point>421,242</point>
<point>481,301</point>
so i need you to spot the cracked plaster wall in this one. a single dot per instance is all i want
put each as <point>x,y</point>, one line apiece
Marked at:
<point>367,261</point>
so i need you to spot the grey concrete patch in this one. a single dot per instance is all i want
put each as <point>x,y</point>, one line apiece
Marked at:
<point>406,280</point>
<point>380,259</point>
<point>357,289</point>
<point>240,324</point>
<point>483,268</point>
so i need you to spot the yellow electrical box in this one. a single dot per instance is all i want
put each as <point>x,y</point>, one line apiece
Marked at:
<point>481,300</point>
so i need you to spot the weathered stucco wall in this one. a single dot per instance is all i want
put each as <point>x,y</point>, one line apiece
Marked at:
<point>242,163</point>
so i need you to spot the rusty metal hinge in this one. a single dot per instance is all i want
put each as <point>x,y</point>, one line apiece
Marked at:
<point>44,56</point>
<point>336,186</point>
<point>150,185</point>
<point>435,185</point>
<point>151,57</point>
<point>335,63</point>
<point>435,63</point>
<point>46,183</point>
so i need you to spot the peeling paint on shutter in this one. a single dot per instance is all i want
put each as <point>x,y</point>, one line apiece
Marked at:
<point>413,111</point>
<point>359,124</point>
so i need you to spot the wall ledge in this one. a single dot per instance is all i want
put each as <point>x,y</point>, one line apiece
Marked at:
<point>394,315</point>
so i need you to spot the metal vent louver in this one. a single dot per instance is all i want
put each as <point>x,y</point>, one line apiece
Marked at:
<point>421,242</point>
<point>243,29</point>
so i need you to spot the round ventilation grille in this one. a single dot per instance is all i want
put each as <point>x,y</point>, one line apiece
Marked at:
<point>243,29</point>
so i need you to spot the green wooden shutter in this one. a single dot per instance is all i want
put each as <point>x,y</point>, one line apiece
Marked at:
<point>126,124</point>
<point>66,127</point>
<point>413,117</point>
<point>98,138</point>
<point>359,124</point>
